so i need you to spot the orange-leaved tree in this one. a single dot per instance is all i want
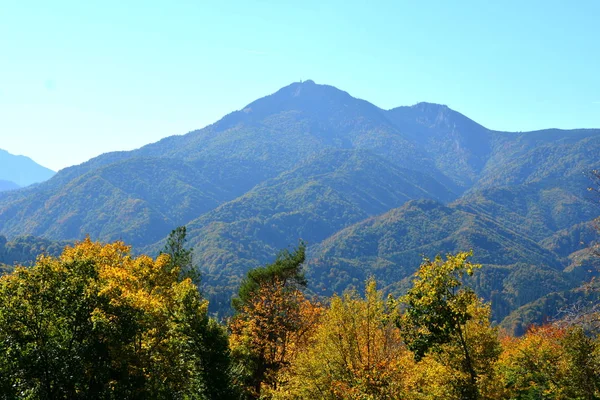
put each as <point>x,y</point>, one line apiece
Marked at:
<point>549,362</point>
<point>273,320</point>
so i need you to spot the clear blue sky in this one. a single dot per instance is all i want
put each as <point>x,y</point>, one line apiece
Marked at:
<point>79,78</point>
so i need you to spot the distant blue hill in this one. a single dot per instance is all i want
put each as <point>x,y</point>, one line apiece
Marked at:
<point>21,170</point>
<point>7,185</point>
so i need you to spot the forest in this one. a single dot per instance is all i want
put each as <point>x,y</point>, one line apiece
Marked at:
<point>97,321</point>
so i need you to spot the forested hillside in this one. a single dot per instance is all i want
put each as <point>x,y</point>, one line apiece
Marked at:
<point>369,190</point>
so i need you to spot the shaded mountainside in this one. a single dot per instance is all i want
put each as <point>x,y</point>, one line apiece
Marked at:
<point>536,210</point>
<point>21,170</point>
<point>573,239</point>
<point>541,156</point>
<point>135,200</point>
<point>459,146</point>
<point>552,306</point>
<point>310,162</point>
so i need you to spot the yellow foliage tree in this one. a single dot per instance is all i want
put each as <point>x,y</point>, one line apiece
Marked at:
<point>446,321</point>
<point>99,323</point>
<point>356,353</point>
<point>551,363</point>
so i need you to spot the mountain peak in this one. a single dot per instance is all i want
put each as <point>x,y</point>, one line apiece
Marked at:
<point>303,96</point>
<point>309,88</point>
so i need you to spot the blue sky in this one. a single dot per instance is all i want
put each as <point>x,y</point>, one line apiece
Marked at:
<point>79,78</point>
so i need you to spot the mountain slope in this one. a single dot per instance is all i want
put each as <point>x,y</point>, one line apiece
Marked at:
<point>530,157</point>
<point>135,200</point>
<point>391,246</point>
<point>314,200</point>
<point>459,146</point>
<point>276,133</point>
<point>21,170</point>
<point>245,148</point>
<point>536,210</point>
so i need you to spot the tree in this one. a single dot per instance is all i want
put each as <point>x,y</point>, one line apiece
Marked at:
<point>355,353</point>
<point>287,269</point>
<point>436,316</point>
<point>272,320</point>
<point>179,256</point>
<point>550,362</point>
<point>99,323</point>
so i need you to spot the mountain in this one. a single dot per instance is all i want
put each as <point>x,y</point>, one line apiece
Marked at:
<point>136,200</point>
<point>537,210</point>
<point>572,240</point>
<point>24,250</point>
<point>21,170</point>
<point>310,202</point>
<point>391,246</point>
<point>459,146</point>
<point>369,190</point>
<point>245,148</point>
<point>7,185</point>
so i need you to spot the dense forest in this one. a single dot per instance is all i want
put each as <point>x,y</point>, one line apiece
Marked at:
<point>99,322</point>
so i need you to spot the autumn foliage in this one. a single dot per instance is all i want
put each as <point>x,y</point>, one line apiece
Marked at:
<point>97,322</point>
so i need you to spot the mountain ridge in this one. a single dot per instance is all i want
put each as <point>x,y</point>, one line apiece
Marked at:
<point>310,162</point>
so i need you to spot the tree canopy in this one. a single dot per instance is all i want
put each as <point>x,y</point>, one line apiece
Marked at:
<point>99,323</point>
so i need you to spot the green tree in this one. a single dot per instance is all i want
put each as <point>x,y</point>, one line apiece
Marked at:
<point>180,256</point>
<point>286,269</point>
<point>99,323</point>
<point>435,319</point>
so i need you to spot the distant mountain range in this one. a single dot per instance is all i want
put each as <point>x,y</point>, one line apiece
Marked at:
<point>370,190</point>
<point>20,171</point>
<point>8,185</point>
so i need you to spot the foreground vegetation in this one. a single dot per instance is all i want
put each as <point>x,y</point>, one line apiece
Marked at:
<point>97,322</point>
